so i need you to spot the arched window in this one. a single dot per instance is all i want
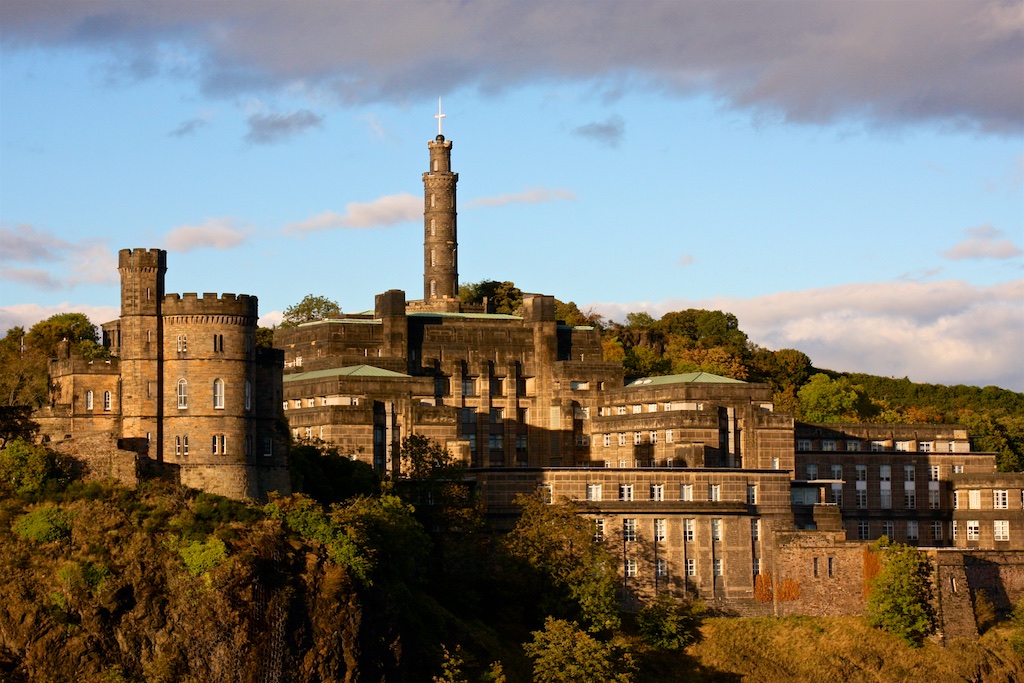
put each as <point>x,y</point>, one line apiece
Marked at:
<point>184,450</point>
<point>433,288</point>
<point>182,393</point>
<point>433,258</point>
<point>433,227</point>
<point>435,164</point>
<point>248,395</point>
<point>177,445</point>
<point>88,400</point>
<point>106,401</point>
<point>432,202</point>
<point>218,393</point>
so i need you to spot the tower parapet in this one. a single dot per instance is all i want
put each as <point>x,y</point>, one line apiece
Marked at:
<point>209,304</point>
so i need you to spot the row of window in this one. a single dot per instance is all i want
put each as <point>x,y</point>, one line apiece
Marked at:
<point>860,472</point>
<point>638,408</point>
<point>656,492</point>
<point>218,343</point>
<point>875,446</point>
<point>218,394</point>
<point>638,437</point>
<point>219,445</point>
<point>660,529</point>
<point>90,400</point>
<point>1000,499</point>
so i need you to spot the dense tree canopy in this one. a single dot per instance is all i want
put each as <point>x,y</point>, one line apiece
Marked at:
<point>502,297</point>
<point>900,595</point>
<point>310,309</point>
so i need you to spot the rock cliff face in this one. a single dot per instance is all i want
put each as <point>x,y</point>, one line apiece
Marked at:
<point>138,587</point>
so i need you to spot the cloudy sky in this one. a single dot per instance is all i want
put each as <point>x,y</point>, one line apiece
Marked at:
<point>846,177</point>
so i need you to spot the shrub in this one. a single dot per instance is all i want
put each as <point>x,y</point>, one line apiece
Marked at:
<point>900,596</point>
<point>669,624</point>
<point>31,468</point>
<point>564,653</point>
<point>44,525</point>
<point>202,556</point>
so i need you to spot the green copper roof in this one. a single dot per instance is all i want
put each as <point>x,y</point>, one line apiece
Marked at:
<point>685,378</point>
<point>350,371</point>
<point>355,321</point>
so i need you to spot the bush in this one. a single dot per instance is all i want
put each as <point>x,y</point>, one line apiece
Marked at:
<point>32,468</point>
<point>564,653</point>
<point>669,624</point>
<point>900,596</point>
<point>44,525</point>
<point>202,556</point>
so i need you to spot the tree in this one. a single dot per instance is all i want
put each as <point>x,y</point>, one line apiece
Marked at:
<point>823,399</point>
<point>564,653</point>
<point>575,575</point>
<point>31,468</point>
<point>502,297</point>
<point>899,598</point>
<point>16,423</point>
<point>310,309</point>
<point>424,458</point>
<point>264,337</point>
<point>76,328</point>
<point>669,624</point>
<point>23,371</point>
<point>320,471</point>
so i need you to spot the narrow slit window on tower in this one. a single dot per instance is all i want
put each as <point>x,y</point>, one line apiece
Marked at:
<point>433,288</point>
<point>106,401</point>
<point>433,258</point>
<point>248,395</point>
<point>182,393</point>
<point>435,164</point>
<point>88,400</point>
<point>433,198</point>
<point>433,227</point>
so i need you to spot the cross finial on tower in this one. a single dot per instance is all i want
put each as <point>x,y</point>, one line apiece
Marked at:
<point>439,116</point>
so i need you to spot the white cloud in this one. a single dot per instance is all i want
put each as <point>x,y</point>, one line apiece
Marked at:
<point>534,195</point>
<point>381,212</point>
<point>27,315</point>
<point>983,242</point>
<point>62,264</point>
<point>269,128</point>
<point>216,233</point>
<point>271,319</point>
<point>948,332</point>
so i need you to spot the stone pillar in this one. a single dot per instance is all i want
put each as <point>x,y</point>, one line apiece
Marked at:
<point>440,242</point>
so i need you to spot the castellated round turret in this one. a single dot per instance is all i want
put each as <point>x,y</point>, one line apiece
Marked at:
<point>209,352</point>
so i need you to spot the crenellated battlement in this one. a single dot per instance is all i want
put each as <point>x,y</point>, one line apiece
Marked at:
<point>210,304</point>
<point>142,258</point>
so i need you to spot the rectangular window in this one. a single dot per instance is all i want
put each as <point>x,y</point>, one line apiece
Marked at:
<point>862,499</point>
<point>885,473</point>
<point>593,492</point>
<point>625,492</point>
<point>837,494</point>
<point>837,471</point>
<point>831,567</point>
<point>184,445</point>
<point>637,409</point>
<point>496,442</point>
<point>973,530</point>
<point>636,439</point>
<point>803,444</point>
<point>652,407</point>
<point>877,446</point>
<point>106,401</point>
<point>716,529</point>
<point>926,446</point>
<point>814,565</point>
<point>620,410</point>
<point>628,529</point>
<point>885,499</point>
<point>630,567</point>
<point>909,472</point>
<point>974,499</point>
<point>775,463</point>
<point>718,566</point>
<point>933,499</point>
<point>755,529</point>
<point>689,526</point>
<point>215,443</point>
<point>622,438</point>
<point>268,446</point>
<point>903,446</point>
<point>912,530</point>
<point>852,445</point>
<point>607,440</point>
<point>863,531</point>
<point>828,445</point>
<point>469,386</point>
<point>1001,530</point>
<point>661,568</point>
<point>668,436</point>
<point>933,473</point>
<point>751,494</point>
<point>957,469</point>
<point>956,499</point>
<point>714,492</point>
<point>521,442</point>
<point>686,492</point>
<point>812,471</point>
<point>955,529</point>
<point>862,472</point>
<point>756,566</point>
<point>468,416</point>
<point>909,499</point>
<point>1000,499</point>
<point>657,492</point>
<point>659,530</point>
<point>497,416</point>
<point>888,529</point>
<point>653,436</point>
<point>691,567</point>
<point>598,530</point>
<point>936,531</point>
<point>177,445</point>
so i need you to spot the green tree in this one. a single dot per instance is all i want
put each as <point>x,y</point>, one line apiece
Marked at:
<point>644,361</point>
<point>502,297</point>
<point>76,328</point>
<point>424,458</point>
<point>320,471</point>
<point>264,337</point>
<point>30,468</point>
<point>577,575</point>
<point>824,399</point>
<point>899,598</point>
<point>670,624</point>
<point>23,371</point>
<point>564,653</point>
<point>16,423</point>
<point>569,313</point>
<point>310,309</point>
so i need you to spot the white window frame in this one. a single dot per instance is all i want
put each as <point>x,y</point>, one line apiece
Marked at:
<point>182,393</point>
<point>1001,530</point>
<point>218,394</point>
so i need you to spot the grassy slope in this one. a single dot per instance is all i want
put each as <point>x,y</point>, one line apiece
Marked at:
<point>769,650</point>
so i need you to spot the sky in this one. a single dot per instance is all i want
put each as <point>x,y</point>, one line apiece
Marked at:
<point>847,178</point>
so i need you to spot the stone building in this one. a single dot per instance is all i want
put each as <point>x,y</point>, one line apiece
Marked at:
<point>186,386</point>
<point>695,481</point>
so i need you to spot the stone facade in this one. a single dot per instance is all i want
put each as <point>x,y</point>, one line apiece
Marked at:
<point>186,386</point>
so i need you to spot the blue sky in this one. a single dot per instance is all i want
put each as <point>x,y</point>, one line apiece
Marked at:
<point>847,178</point>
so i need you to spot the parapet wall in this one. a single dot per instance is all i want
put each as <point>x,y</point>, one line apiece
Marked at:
<point>142,258</point>
<point>190,303</point>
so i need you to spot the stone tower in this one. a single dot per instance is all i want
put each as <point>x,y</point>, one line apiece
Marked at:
<point>141,331</point>
<point>440,245</point>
